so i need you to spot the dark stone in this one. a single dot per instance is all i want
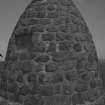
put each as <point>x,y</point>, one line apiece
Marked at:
<point>71,76</point>
<point>11,76</point>
<point>32,78</point>
<point>60,36</point>
<point>26,36</point>
<point>93,83</point>
<point>64,46</point>
<point>86,76</point>
<point>3,85</point>
<point>38,47</point>
<point>37,28</point>
<point>51,47</point>
<point>38,6</point>
<point>51,67</point>
<point>43,78</point>
<point>24,56</point>
<point>15,98</point>
<point>57,78</point>
<point>51,7</point>
<point>91,95</point>
<point>3,93</point>
<point>77,99</point>
<point>34,21</point>
<point>40,14</point>
<point>12,87</point>
<point>42,58</point>
<point>81,86</point>
<point>19,79</point>
<point>100,101</point>
<point>24,90</point>
<point>67,89</point>
<point>53,14</point>
<point>35,89</point>
<point>26,67</point>
<point>31,100</point>
<point>60,56</point>
<point>3,75</point>
<point>63,28</point>
<point>80,64</point>
<point>57,89</point>
<point>47,36</point>
<point>52,28</point>
<point>77,47</point>
<point>38,68</point>
<point>83,28</point>
<point>92,57</point>
<point>46,90</point>
<point>4,102</point>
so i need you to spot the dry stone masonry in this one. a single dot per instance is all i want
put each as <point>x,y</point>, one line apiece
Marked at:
<point>51,57</point>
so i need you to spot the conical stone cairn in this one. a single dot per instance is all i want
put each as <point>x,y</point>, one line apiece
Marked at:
<point>51,57</point>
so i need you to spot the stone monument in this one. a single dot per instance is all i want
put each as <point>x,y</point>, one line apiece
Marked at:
<point>51,57</point>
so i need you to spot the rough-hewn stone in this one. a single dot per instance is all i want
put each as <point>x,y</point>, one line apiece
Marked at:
<point>77,99</point>
<point>57,89</point>
<point>46,90</point>
<point>52,41</point>
<point>81,86</point>
<point>51,47</point>
<point>24,90</point>
<point>48,36</point>
<point>51,67</point>
<point>71,76</point>
<point>57,78</point>
<point>42,58</point>
<point>91,95</point>
<point>26,67</point>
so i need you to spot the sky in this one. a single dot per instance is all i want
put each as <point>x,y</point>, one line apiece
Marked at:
<point>93,12</point>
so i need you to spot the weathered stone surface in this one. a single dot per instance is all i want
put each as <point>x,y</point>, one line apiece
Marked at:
<point>32,78</point>
<point>48,36</point>
<point>51,47</point>
<point>51,67</point>
<point>42,58</point>
<point>81,86</point>
<point>58,100</point>
<point>64,46</point>
<point>32,100</point>
<point>38,47</point>
<point>52,41</point>
<point>12,87</point>
<point>24,90</point>
<point>37,28</point>
<point>77,99</point>
<point>57,89</point>
<point>100,101</point>
<point>27,37</point>
<point>67,89</point>
<point>43,78</point>
<point>46,90</point>
<point>19,78</point>
<point>26,67</point>
<point>71,76</point>
<point>93,83</point>
<point>51,7</point>
<point>91,95</point>
<point>86,76</point>
<point>57,78</point>
<point>60,56</point>
<point>52,28</point>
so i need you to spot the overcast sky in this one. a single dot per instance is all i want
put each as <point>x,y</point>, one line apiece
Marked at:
<point>93,12</point>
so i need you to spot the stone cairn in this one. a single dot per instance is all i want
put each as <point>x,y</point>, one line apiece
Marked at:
<point>51,58</point>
